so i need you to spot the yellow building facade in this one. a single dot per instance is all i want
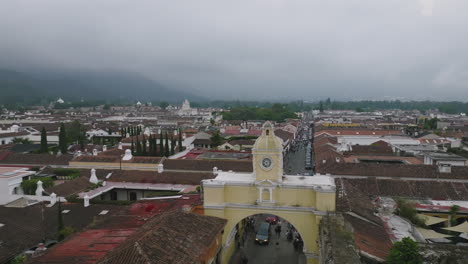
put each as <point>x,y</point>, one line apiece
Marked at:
<point>300,200</point>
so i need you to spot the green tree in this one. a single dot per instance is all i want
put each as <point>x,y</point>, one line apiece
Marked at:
<point>63,144</point>
<point>216,139</point>
<point>29,186</point>
<point>43,140</point>
<point>321,107</point>
<point>408,210</point>
<point>163,104</point>
<point>138,146</point>
<point>404,252</point>
<point>453,213</point>
<point>144,152</point>
<point>150,148</point>
<point>180,140</point>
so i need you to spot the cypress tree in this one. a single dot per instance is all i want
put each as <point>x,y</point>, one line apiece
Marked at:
<point>138,146</point>
<point>161,145</point>
<point>132,147</point>
<point>180,140</point>
<point>63,139</point>
<point>43,140</point>
<point>166,147</point>
<point>143,144</point>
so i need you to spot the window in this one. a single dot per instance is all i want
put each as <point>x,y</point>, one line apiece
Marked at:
<point>133,196</point>
<point>267,132</point>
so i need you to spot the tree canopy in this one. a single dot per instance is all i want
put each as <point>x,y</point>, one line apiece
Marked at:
<point>404,252</point>
<point>277,112</point>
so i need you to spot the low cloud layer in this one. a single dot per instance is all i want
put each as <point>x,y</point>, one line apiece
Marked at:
<point>252,49</point>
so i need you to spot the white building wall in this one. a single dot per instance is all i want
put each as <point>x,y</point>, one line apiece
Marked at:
<point>451,162</point>
<point>368,140</point>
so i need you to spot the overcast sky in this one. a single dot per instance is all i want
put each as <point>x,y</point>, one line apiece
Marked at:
<point>252,49</point>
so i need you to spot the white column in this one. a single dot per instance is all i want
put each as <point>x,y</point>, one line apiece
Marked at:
<point>260,194</point>
<point>271,194</point>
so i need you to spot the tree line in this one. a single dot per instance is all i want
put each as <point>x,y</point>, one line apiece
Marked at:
<point>149,146</point>
<point>277,112</point>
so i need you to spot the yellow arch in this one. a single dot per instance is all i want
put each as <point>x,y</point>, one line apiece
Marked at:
<point>306,223</point>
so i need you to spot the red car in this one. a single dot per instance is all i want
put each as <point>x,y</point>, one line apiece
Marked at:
<point>273,220</point>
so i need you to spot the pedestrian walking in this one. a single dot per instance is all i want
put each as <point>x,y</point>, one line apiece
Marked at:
<point>278,230</point>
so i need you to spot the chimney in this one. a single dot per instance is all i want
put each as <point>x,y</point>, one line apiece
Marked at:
<point>175,132</point>
<point>160,168</point>
<point>120,145</point>
<point>104,148</point>
<point>93,178</point>
<point>215,170</point>
<point>53,199</point>
<point>86,200</point>
<point>445,168</point>
<point>39,188</point>
<point>184,135</point>
<point>128,155</point>
<point>95,152</point>
<point>41,247</point>
<point>337,159</point>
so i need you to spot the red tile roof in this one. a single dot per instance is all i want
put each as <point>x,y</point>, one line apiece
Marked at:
<point>101,237</point>
<point>357,132</point>
<point>174,237</point>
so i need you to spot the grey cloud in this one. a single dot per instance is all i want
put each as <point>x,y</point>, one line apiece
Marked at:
<point>251,49</point>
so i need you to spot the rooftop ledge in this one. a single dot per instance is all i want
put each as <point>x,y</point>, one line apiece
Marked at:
<point>322,183</point>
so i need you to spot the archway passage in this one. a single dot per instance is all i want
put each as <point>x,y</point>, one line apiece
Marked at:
<point>282,243</point>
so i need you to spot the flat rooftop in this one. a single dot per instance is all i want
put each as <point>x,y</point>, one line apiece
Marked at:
<point>12,172</point>
<point>321,182</point>
<point>445,156</point>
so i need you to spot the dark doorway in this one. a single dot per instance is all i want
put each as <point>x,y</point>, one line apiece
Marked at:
<point>113,195</point>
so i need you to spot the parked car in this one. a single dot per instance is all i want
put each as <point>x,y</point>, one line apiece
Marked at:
<point>273,220</point>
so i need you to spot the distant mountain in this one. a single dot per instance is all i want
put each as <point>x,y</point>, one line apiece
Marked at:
<point>17,87</point>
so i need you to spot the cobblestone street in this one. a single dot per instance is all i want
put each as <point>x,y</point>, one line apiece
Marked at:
<point>283,253</point>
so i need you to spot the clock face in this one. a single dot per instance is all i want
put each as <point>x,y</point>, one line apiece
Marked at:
<point>266,163</point>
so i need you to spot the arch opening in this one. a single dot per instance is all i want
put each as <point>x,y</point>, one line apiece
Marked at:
<point>266,238</point>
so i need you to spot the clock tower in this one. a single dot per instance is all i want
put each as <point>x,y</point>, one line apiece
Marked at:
<point>268,155</point>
